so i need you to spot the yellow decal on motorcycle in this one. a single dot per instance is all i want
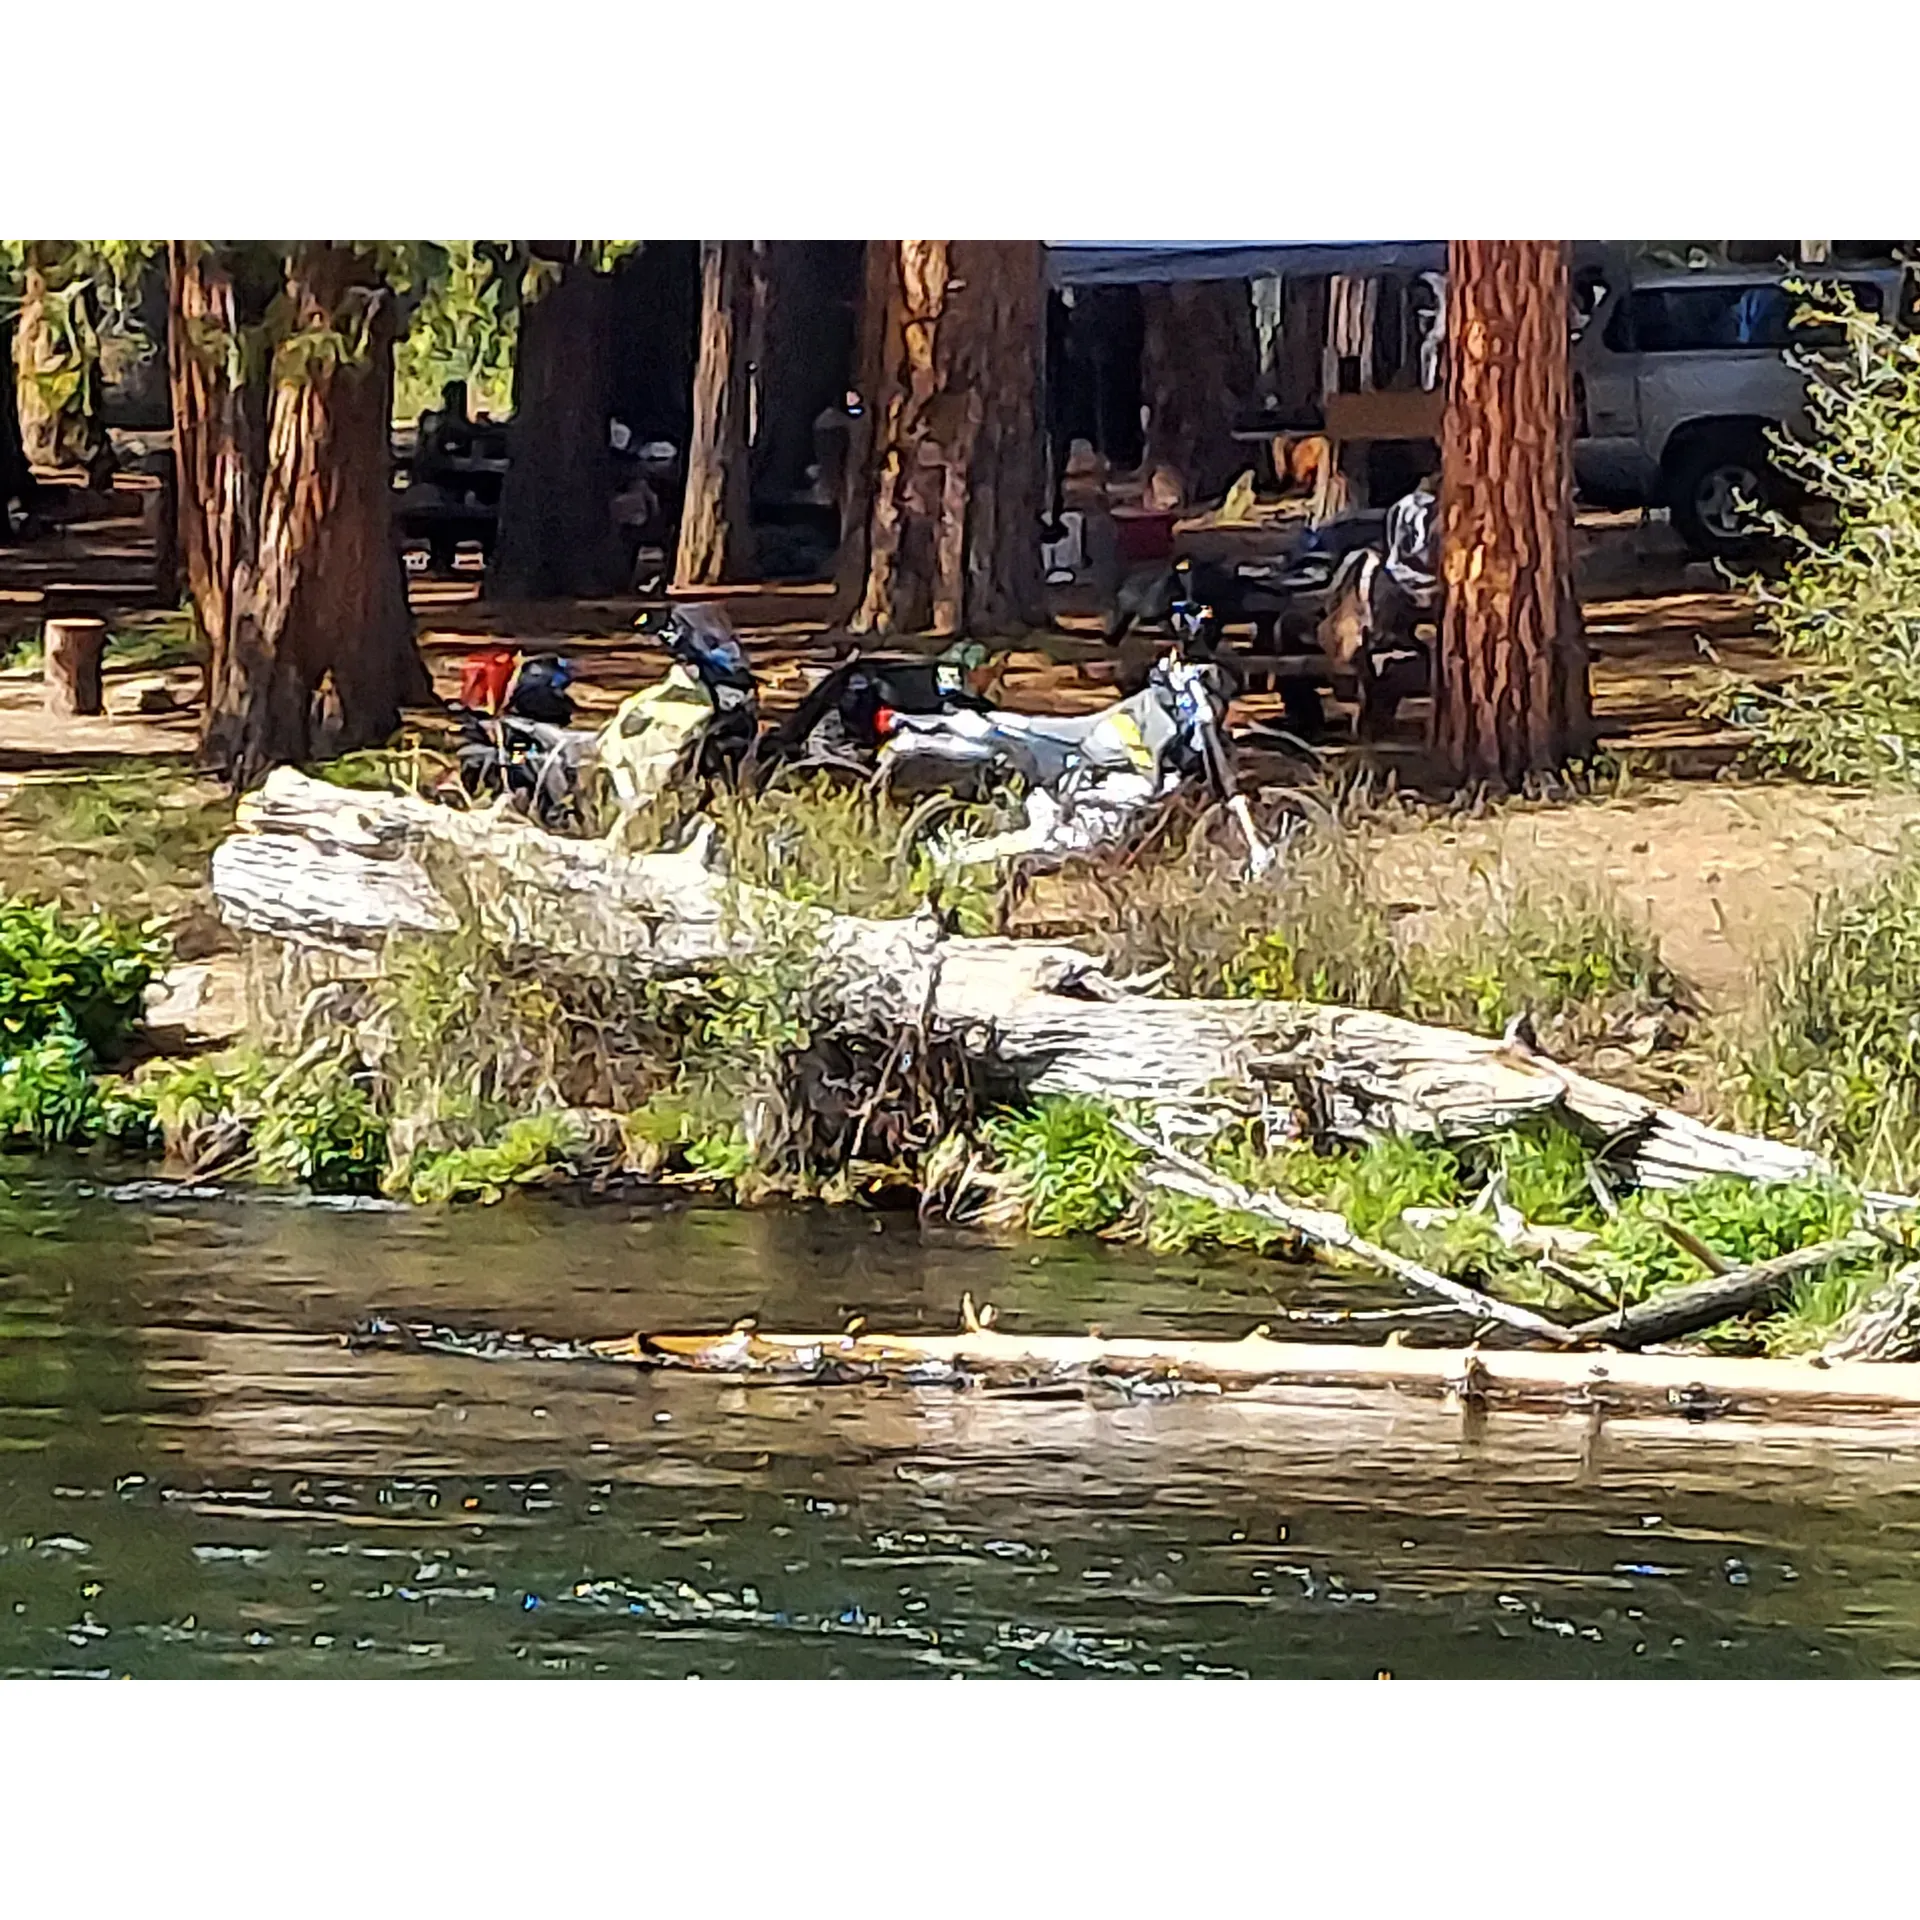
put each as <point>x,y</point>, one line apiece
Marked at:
<point>1131,742</point>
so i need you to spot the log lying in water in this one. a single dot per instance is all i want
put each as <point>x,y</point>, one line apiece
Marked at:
<point>1181,1173</point>
<point>343,870</point>
<point>1672,1316</point>
<point>1695,1386</point>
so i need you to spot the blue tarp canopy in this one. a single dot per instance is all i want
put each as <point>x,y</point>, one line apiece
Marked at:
<point>1083,263</point>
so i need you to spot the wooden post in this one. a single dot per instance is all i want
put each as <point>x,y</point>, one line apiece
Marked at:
<point>71,669</point>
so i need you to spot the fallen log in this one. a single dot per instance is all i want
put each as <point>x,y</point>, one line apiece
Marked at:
<point>1725,1296</point>
<point>1181,1173</point>
<point>343,871</point>
<point>1693,1386</point>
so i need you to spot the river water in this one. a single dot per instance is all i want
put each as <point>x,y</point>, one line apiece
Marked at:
<point>201,1478</point>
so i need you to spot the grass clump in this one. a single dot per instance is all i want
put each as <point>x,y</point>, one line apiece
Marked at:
<point>1847,603</point>
<point>1067,1167</point>
<point>1319,928</point>
<point>1567,956</point>
<point>132,843</point>
<point>821,842</point>
<point>1313,929</point>
<point>1829,1054</point>
<point>533,1150</point>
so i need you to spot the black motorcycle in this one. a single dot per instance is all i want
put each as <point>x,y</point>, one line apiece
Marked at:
<point>528,750</point>
<point>843,720</point>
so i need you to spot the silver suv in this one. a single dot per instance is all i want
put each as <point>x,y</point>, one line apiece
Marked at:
<point>1678,376</point>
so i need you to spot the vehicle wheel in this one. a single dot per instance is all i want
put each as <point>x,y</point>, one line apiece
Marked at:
<point>1708,480</point>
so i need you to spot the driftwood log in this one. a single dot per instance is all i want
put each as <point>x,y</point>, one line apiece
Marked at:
<point>1700,1386</point>
<point>1694,1385</point>
<point>342,871</point>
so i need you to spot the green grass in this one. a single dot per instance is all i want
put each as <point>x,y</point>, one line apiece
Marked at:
<point>1829,1053</point>
<point>133,842</point>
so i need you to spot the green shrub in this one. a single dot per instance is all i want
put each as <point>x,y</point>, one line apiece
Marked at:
<point>87,977</point>
<point>1743,1221</point>
<point>1848,601</point>
<point>47,1093</point>
<point>318,1127</point>
<point>1545,1168</point>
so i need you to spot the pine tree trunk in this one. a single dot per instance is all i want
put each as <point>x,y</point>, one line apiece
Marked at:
<point>556,535</point>
<point>954,446</point>
<point>716,534</point>
<point>285,504</point>
<point>1200,369</point>
<point>1511,695</point>
<point>880,272</point>
<point>798,331</point>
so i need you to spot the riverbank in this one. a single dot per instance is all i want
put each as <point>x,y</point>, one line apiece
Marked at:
<point>478,1070</point>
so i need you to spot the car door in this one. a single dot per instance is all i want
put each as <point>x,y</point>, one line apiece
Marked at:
<point>1607,454</point>
<point>1713,351</point>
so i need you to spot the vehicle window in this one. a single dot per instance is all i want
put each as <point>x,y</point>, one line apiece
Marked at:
<point>1720,319</point>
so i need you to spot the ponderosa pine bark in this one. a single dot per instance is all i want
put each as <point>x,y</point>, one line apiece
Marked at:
<point>282,441</point>
<point>1510,675</point>
<point>951,452</point>
<point>716,533</point>
<point>1199,369</point>
<point>556,534</point>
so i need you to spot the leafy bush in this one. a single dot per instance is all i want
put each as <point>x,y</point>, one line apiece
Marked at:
<point>1848,601</point>
<point>318,1127</point>
<point>87,977</point>
<point>47,1093</point>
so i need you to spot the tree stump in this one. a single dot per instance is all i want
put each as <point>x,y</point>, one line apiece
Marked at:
<point>71,673</point>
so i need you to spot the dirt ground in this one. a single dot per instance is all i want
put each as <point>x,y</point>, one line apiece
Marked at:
<point>1724,873</point>
<point>1722,870</point>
